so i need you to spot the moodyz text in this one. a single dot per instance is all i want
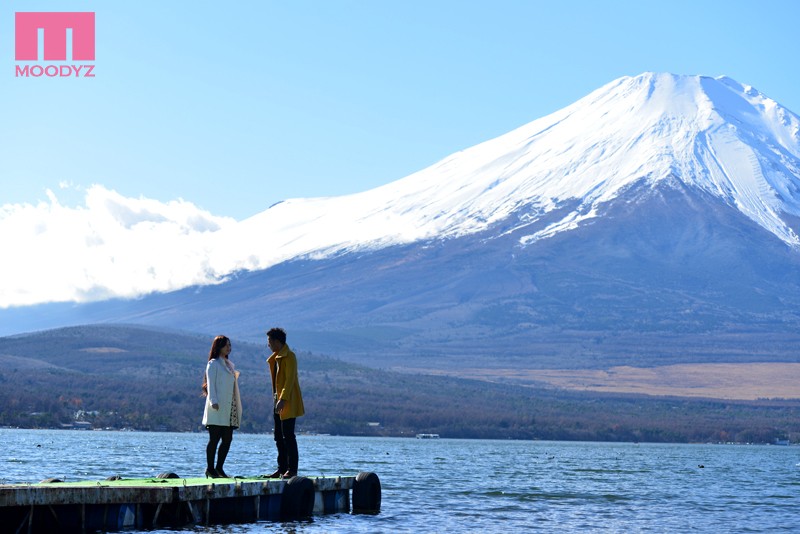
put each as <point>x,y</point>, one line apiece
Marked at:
<point>55,71</point>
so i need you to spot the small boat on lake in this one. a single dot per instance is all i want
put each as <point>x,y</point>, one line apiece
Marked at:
<point>427,436</point>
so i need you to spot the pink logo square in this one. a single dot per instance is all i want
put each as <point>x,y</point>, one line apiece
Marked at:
<point>55,27</point>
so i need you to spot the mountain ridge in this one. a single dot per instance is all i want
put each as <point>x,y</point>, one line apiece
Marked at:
<point>715,134</point>
<point>639,286</point>
<point>680,247</point>
<point>675,128</point>
<point>129,377</point>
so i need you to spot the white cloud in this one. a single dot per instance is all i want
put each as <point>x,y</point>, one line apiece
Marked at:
<point>110,246</point>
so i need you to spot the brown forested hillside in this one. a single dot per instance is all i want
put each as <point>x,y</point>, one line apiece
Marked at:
<point>129,377</point>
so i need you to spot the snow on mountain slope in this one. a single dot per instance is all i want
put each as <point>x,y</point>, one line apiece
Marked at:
<point>712,133</point>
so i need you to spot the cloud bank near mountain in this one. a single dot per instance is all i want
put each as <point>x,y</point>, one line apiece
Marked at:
<point>111,246</point>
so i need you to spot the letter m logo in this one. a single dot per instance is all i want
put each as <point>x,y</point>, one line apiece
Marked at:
<point>54,26</point>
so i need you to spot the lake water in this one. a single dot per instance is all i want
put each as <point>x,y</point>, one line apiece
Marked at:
<point>443,485</point>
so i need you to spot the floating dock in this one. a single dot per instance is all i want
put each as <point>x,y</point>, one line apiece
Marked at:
<point>169,501</point>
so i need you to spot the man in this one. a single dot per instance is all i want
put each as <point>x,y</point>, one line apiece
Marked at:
<point>288,402</point>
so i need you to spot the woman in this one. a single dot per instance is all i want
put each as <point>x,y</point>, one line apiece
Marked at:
<point>223,409</point>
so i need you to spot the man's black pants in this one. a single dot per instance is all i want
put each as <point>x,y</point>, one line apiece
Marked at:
<point>286,443</point>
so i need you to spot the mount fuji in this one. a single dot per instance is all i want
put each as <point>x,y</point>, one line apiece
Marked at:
<point>654,221</point>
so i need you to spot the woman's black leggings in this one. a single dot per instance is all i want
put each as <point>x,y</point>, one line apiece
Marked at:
<point>216,434</point>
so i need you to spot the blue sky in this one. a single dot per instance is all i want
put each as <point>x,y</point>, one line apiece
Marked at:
<point>233,106</point>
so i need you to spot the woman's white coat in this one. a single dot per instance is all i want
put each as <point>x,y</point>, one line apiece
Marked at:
<point>223,390</point>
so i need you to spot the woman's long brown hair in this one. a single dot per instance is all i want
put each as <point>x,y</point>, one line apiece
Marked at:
<point>216,346</point>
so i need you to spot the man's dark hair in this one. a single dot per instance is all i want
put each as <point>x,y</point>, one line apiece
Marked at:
<point>277,333</point>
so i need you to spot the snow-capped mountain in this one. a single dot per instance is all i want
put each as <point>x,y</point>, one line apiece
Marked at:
<point>710,133</point>
<point>653,221</point>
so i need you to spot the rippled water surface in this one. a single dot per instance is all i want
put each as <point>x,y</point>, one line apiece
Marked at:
<point>465,485</point>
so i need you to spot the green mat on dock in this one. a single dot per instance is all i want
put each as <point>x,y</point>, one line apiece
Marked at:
<point>158,482</point>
